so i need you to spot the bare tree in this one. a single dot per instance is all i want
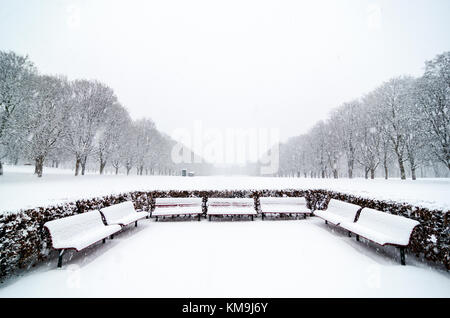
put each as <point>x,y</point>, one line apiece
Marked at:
<point>16,73</point>
<point>92,101</point>
<point>46,118</point>
<point>432,94</point>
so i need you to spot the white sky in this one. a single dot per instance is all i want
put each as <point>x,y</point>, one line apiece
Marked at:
<point>281,64</point>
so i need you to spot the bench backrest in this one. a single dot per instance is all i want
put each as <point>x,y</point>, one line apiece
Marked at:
<point>178,202</point>
<point>343,209</point>
<point>283,200</point>
<point>231,202</point>
<point>392,225</point>
<point>68,227</point>
<point>115,212</point>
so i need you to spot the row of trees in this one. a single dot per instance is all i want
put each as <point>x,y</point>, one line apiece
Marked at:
<point>402,125</point>
<point>50,120</point>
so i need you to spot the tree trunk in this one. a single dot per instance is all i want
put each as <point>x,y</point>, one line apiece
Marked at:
<point>102,166</point>
<point>128,170</point>
<point>39,166</point>
<point>413,172</point>
<point>372,173</point>
<point>402,169</point>
<point>1,169</point>
<point>413,166</point>
<point>366,173</point>
<point>335,174</point>
<point>117,170</point>
<point>83,165</point>
<point>77,166</point>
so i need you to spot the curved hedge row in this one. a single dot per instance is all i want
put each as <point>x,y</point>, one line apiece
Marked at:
<point>24,242</point>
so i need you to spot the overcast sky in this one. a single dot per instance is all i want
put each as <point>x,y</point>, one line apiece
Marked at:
<point>281,64</point>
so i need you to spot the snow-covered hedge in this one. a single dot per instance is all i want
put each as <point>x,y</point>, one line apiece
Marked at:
<point>24,242</point>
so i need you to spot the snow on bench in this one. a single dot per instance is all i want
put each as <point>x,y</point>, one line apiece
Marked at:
<point>231,207</point>
<point>376,226</point>
<point>78,232</point>
<point>177,207</point>
<point>122,214</point>
<point>338,212</point>
<point>383,228</point>
<point>283,205</point>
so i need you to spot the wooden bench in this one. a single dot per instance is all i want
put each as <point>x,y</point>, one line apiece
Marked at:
<point>122,214</point>
<point>78,232</point>
<point>173,207</point>
<point>231,207</point>
<point>383,228</point>
<point>338,212</point>
<point>283,206</point>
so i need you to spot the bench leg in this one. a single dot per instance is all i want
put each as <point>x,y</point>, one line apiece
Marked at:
<point>349,234</point>
<point>252,217</point>
<point>135,224</point>
<point>209,217</point>
<point>304,216</point>
<point>60,258</point>
<point>112,237</point>
<point>262,216</point>
<point>357,237</point>
<point>156,220</point>
<point>104,240</point>
<point>199,217</point>
<point>402,255</point>
<point>326,222</point>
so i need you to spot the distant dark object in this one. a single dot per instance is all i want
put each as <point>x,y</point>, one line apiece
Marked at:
<point>191,174</point>
<point>27,164</point>
<point>183,172</point>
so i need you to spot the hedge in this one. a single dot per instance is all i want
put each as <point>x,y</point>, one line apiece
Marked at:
<point>24,242</point>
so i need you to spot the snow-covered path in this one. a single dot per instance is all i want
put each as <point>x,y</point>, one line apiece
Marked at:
<point>20,189</point>
<point>297,258</point>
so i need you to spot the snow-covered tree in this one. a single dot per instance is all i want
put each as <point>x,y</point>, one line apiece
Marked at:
<point>432,95</point>
<point>16,74</point>
<point>46,119</point>
<point>109,138</point>
<point>92,101</point>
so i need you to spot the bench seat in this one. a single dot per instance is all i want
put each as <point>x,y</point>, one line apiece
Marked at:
<point>231,207</point>
<point>122,214</point>
<point>382,228</point>
<point>281,205</point>
<point>338,212</point>
<point>177,207</point>
<point>78,231</point>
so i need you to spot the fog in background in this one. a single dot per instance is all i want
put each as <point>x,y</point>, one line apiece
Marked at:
<point>261,64</point>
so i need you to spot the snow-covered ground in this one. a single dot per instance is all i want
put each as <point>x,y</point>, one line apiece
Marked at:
<point>295,258</point>
<point>20,189</point>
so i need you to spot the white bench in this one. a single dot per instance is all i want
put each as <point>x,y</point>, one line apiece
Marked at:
<point>283,206</point>
<point>231,207</point>
<point>338,212</point>
<point>383,228</point>
<point>172,207</point>
<point>122,214</point>
<point>376,226</point>
<point>78,232</point>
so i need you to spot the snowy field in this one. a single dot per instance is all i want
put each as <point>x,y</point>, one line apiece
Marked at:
<point>295,258</point>
<point>20,189</point>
